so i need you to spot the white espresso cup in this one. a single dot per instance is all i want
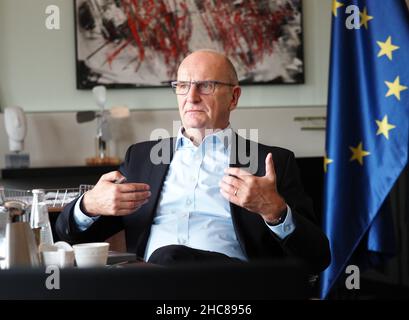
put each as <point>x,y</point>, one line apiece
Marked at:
<point>61,258</point>
<point>88,255</point>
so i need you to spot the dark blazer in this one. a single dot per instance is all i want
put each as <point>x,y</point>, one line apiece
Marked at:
<point>307,242</point>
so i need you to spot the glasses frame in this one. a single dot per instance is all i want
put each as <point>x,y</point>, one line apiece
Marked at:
<point>214,82</point>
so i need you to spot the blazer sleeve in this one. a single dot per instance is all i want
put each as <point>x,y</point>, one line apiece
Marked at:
<point>100,230</point>
<point>307,241</point>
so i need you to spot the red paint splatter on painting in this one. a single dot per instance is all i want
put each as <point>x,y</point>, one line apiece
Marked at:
<point>249,33</point>
<point>246,30</point>
<point>152,24</point>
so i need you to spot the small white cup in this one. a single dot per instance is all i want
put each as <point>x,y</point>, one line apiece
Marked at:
<point>61,258</point>
<point>88,255</point>
<point>60,254</point>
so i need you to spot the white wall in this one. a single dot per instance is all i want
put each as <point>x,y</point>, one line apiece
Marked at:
<point>37,72</point>
<point>37,66</point>
<point>55,139</point>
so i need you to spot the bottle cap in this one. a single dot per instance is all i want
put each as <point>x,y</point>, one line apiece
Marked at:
<point>37,191</point>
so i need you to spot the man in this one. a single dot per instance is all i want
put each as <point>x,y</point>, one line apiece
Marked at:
<point>207,204</point>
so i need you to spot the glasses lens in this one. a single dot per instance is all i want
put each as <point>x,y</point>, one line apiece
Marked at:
<point>181,87</point>
<point>205,87</point>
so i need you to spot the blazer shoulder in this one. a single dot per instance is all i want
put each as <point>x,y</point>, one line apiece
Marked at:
<point>276,151</point>
<point>141,154</point>
<point>148,145</point>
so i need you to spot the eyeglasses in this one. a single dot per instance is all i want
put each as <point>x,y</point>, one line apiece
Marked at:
<point>203,87</point>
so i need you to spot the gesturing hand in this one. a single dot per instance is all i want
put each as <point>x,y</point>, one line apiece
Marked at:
<point>109,197</point>
<point>256,194</point>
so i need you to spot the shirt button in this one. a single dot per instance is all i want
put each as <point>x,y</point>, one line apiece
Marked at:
<point>193,179</point>
<point>188,202</point>
<point>182,241</point>
<point>287,228</point>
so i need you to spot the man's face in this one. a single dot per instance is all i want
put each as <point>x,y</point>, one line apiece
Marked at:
<point>206,111</point>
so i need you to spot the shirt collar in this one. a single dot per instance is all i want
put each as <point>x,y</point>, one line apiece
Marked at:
<point>222,136</point>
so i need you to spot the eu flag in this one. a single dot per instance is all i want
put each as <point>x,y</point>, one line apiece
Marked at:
<point>367,130</point>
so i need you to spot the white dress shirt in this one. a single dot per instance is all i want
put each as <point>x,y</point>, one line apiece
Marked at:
<point>191,210</point>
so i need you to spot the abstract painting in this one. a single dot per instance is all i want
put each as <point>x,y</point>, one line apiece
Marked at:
<point>140,43</point>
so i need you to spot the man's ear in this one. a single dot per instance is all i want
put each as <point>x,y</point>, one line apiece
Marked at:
<point>235,98</point>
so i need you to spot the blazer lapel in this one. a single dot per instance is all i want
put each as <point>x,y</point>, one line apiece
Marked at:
<point>156,174</point>
<point>244,154</point>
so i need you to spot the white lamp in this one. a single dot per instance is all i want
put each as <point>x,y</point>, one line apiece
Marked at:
<point>103,132</point>
<point>16,128</point>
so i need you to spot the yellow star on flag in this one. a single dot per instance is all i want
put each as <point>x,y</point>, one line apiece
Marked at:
<point>365,18</point>
<point>335,6</point>
<point>327,161</point>
<point>386,48</point>
<point>384,127</point>
<point>395,88</point>
<point>358,154</point>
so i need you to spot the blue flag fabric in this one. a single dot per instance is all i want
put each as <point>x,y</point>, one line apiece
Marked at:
<point>367,130</point>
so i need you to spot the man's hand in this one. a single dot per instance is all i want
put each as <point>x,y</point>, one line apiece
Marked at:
<point>111,197</point>
<point>256,194</point>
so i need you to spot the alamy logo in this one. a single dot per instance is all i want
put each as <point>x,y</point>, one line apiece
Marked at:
<point>352,282</point>
<point>353,21</point>
<point>52,282</point>
<point>52,21</point>
<point>243,154</point>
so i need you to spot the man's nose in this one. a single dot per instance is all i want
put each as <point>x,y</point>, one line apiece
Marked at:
<point>193,94</point>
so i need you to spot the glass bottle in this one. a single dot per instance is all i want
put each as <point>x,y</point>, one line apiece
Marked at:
<point>2,196</point>
<point>4,219</point>
<point>39,218</point>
